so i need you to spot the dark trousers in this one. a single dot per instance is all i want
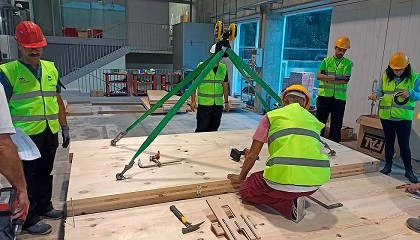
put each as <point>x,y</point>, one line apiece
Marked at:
<point>402,130</point>
<point>325,106</point>
<point>256,190</point>
<point>208,118</point>
<point>6,228</point>
<point>38,176</point>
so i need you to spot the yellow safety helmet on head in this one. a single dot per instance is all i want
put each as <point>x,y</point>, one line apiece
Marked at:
<point>343,42</point>
<point>399,61</point>
<point>297,90</point>
<point>418,115</point>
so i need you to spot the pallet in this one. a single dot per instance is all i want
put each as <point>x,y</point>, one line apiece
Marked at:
<point>205,163</point>
<point>373,209</point>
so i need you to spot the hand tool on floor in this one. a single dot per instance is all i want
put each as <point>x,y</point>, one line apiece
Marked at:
<point>189,227</point>
<point>8,203</point>
<point>329,207</point>
<point>332,152</point>
<point>236,154</point>
<point>155,159</point>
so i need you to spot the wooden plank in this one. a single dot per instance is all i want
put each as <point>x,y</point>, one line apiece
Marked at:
<point>164,109</point>
<point>205,161</point>
<point>156,95</point>
<point>373,209</point>
<point>234,226</point>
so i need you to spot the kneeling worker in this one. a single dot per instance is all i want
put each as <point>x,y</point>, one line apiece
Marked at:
<point>296,166</point>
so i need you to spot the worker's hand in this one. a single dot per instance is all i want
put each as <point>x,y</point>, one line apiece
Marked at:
<point>404,94</point>
<point>193,105</point>
<point>412,188</point>
<point>65,132</point>
<point>22,205</point>
<point>227,107</point>
<point>235,178</point>
<point>374,97</point>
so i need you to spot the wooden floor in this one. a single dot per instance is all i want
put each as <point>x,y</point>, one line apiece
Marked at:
<point>373,209</point>
<point>205,163</point>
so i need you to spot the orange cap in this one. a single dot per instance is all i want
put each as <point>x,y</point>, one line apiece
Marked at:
<point>300,89</point>
<point>399,61</point>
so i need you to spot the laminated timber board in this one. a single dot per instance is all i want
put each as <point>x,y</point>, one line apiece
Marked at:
<point>373,209</point>
<point>205,163</point>
<point>156,95</point>
<point>164,108</point>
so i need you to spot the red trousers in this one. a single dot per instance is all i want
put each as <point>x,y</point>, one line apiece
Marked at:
<point>256,190</point>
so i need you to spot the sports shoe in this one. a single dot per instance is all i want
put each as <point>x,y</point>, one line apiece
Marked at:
<point>298,209</point>
<point>414,224</point>
<point>39,228</point>
<point>53,214</point>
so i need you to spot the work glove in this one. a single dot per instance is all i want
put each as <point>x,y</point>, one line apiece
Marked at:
<point>65,132</point>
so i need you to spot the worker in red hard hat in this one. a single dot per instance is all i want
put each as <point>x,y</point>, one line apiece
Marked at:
<point>290,174</point>
<point>33,90</point>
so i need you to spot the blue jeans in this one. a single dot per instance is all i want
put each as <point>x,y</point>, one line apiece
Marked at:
<point>6,229</point>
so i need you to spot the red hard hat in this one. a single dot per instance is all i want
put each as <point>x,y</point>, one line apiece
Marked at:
<point>30,35</point>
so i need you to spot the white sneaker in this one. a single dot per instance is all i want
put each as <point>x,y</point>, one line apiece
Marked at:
<point>298,211</point>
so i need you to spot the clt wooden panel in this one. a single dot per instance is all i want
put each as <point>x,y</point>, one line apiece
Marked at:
<point>205,163</point>
<point>373,209</point>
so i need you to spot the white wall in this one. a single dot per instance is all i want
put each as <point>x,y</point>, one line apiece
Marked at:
<point>93,79</point>
<point>376,28</point>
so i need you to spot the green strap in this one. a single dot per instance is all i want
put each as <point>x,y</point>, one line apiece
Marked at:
<point>176,89</point>
<point>203,73</point>
<point>239,64</point>
<point>244,75</point>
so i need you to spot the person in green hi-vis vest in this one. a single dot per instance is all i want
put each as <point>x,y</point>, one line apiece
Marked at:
<point>33,91</point>
<point>399,90</point>
<point>212,95</point>
<point>334,75</point>
<point>296,166</point>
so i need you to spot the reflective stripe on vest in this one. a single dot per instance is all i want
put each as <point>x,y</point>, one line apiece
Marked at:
<point>387,106</point>
<point>210,91</point>
<point>291,162</point>
<point>339,91</point>
<point>33,104</point>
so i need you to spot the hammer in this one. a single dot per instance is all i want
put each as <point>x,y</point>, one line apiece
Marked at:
<point>235,154</point>
<point>189,227</point>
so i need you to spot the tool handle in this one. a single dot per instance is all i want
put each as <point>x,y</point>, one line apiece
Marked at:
<point>178,214</point>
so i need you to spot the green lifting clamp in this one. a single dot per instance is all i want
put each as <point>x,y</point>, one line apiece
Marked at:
<point>196,77</point>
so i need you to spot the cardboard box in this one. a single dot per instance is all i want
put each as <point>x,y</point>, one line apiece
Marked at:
<point>184,17</point>
<point>83,33</point>
<point>96,93</point>
<point>346,133</point>
<point>371,138</point>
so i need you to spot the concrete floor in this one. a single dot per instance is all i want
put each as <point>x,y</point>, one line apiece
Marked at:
<point>108,126</point>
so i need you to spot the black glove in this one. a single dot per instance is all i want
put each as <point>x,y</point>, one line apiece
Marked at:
<point>65,132</point>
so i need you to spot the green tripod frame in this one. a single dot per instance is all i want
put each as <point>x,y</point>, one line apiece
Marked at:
<point>197,75</point>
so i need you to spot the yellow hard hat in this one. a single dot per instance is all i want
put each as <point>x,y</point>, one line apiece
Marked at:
<point>300,89</point>
<point>399,61</point>
<point>343,42</point>
<point>418,115</point>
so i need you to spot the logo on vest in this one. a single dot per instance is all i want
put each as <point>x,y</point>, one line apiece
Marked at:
<point>49,78</point>
<point>23,80</point>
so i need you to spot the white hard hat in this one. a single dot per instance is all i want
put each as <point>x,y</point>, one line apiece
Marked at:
<point>213,49</point>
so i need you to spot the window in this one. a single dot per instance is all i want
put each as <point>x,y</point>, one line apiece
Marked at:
<point>247,40</point>
<point>305,45</point>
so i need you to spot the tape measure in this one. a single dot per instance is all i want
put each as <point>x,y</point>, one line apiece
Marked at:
<point>400,100</point>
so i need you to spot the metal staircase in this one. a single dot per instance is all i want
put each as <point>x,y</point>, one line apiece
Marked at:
<point>112,44</point>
